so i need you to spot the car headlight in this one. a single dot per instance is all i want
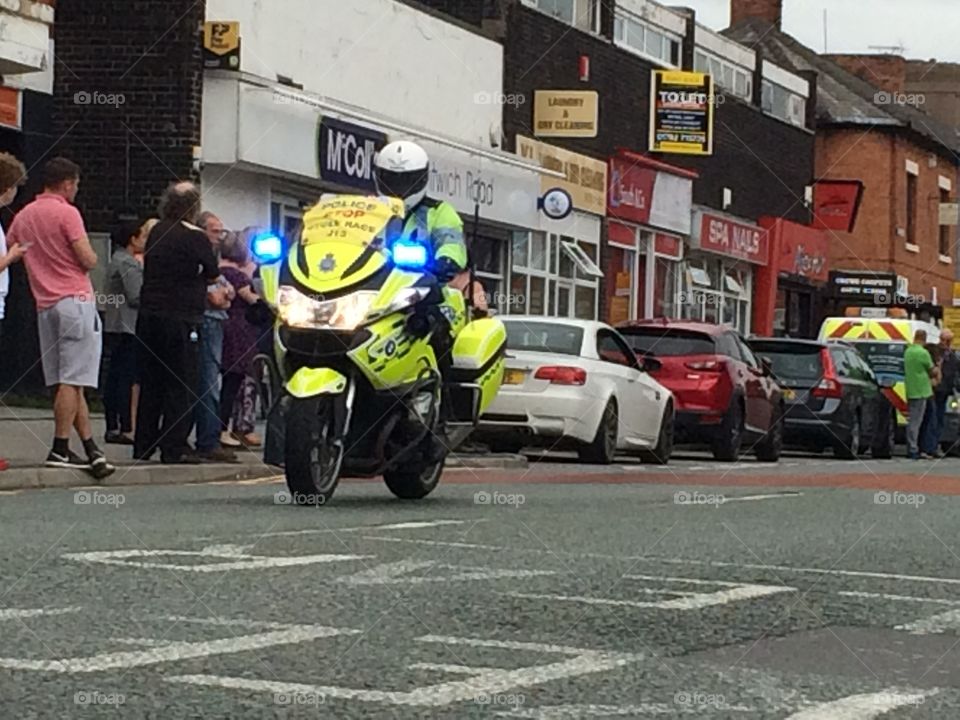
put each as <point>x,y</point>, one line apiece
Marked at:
<point>302,311</point>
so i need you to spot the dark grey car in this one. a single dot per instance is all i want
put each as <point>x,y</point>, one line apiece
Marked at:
<point>832,397</point>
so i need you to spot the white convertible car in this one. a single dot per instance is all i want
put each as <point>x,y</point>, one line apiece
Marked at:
<point>576,383</point>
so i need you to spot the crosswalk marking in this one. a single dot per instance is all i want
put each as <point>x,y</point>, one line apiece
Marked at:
<point>864,706</point>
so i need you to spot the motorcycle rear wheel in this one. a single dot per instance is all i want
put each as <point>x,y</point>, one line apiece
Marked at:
<point>313,458</point>
<point>414,480</point>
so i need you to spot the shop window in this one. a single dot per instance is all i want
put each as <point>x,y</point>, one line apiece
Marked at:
<point>584,263</point>
<point>665,288</point>
<point>571,291</point>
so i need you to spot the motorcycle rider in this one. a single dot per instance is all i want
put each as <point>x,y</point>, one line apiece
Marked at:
<point>402,170</point>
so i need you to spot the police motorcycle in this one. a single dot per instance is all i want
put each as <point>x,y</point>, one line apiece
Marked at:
<point>356,313</point>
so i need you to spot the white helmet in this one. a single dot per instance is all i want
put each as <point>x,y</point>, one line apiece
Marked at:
<point>402,170</point>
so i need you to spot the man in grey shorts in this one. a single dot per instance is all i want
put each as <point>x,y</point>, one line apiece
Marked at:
<point>71,342</point>
<point>58,266</point>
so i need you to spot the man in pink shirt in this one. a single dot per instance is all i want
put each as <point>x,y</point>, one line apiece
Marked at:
<point>58,267</point>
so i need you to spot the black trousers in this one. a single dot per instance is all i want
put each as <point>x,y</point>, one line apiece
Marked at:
<point>121,377</point>
<point>168,361</point>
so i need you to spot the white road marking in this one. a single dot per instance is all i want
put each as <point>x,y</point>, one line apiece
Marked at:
<point>141,642</point>
<point>815,571</point>
<point>237,561</point>
<point>16,614</point>
<point>447,668</point>
<point>413,525</point>
<point>889,596</point>
<point>174,651</point>
<point>770,496</point>
<point>225,622</point>
<point>933,625</point>
<point>572,712</point>
<point>863,706</point>
<point>695,601</point>
<point>398,573</point>
<point>481,681</point>
<point>675,561</point>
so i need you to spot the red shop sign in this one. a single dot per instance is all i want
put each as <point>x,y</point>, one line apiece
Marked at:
<point>836,204</point>
<point>734,239</point>
<point>631,191</point>
<point>803,251</point>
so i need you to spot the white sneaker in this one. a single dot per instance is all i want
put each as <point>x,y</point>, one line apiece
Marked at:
<point>228,440</point>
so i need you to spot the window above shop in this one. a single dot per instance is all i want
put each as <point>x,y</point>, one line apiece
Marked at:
<point>583,14</point>
<point>733,78</point>
<point>784,104</point>
<point>634,34</point>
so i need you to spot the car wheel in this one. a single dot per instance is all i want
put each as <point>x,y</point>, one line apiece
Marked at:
<point>603,448</point>
<point>727,444</point>
<point>660,455</point>
<point>769,449</point>
<point>883,444</point>
<point>848,448</point>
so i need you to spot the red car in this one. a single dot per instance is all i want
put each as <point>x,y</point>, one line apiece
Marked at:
<point>724,394</point>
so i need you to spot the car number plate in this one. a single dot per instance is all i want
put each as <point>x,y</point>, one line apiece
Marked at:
<point>513,377</point>
<point>789,394</point>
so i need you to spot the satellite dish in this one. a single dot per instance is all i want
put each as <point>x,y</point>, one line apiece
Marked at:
<point>556,203</point>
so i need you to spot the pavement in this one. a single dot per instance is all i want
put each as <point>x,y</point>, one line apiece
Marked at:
<point>813,589</point>
<point>26,435</point>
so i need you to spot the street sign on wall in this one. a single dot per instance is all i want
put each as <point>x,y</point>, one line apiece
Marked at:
<point>221,45</point>
<point>681,112</point>
<point>565,113</point>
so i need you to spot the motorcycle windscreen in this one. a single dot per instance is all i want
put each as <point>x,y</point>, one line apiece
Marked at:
<point>342,241</point>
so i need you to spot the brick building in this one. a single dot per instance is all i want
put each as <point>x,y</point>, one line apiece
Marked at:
<point>760,167</point>
<point>868,129</point>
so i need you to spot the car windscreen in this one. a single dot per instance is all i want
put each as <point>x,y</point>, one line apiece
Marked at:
<point>792,361</point>
<point>665,342</point>
<point>885,358</point>
<point>544,337</point>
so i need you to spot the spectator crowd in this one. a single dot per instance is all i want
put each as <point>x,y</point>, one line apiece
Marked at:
<point>179,344</point>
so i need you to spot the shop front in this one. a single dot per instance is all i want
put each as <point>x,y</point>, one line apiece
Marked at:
<point>648,217</point>
<point>270,151</point>
<point>718,278</point>
<point>555,270</point>
<point>789,289</point>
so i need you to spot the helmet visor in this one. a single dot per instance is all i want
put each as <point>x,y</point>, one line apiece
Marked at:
<point>401,184</point>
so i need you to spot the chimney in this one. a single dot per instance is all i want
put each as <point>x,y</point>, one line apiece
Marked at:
<point>886,72</point>
<point>770,11</point>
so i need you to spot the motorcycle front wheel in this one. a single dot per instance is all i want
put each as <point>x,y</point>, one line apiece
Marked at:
<point>313,455</point>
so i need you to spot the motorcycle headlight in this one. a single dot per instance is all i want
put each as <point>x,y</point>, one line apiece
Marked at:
<point>302,311</point>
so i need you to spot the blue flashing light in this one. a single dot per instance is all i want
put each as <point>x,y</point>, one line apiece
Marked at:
<point>410,255</point>
<point>266,248</point>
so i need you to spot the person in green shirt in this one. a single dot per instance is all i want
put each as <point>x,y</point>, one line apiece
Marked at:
<point>918,368</point>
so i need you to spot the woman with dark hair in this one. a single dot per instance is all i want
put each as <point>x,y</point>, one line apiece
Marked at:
<point>124,280</point>
<point>239,336</point>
